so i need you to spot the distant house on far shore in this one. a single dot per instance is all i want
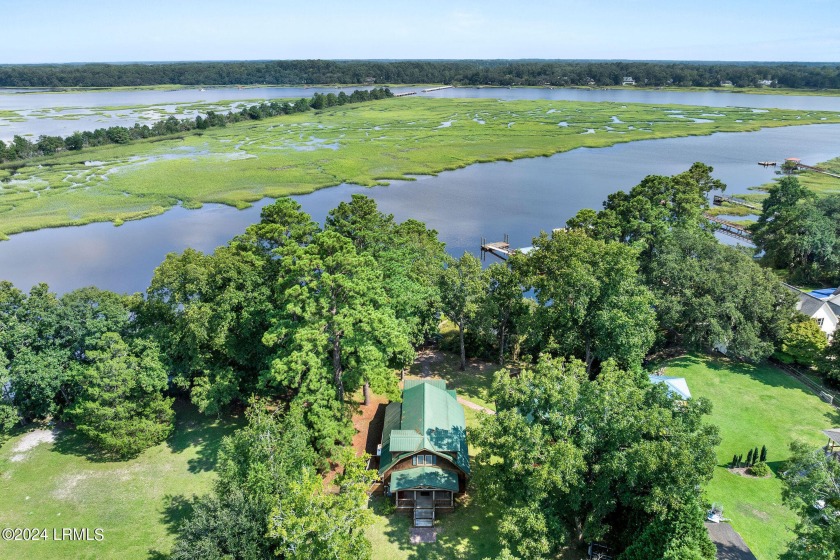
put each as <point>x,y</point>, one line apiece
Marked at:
<point>628,81</point>
<point>823,306</point>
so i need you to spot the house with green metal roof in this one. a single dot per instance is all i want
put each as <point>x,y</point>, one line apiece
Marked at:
<point>423,458</point>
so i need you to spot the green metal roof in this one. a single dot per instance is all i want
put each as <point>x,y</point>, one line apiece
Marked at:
<point>406,440</point>
<point>424,477</point>
<point>429,418</point>
<point>411,383</point>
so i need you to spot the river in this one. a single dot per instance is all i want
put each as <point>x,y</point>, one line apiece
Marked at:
<point>518,198</point>
<point>32,114</point>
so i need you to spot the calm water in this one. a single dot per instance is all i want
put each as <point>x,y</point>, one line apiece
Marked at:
<point>519,198</point>
<point>91,110</point>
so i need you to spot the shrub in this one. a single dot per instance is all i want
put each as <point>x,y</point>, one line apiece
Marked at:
<point>759,469</point>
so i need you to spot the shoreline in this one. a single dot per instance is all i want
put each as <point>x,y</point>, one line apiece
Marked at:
<point>11,90</point>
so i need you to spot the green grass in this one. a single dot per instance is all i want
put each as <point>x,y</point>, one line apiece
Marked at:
<point>755,406</point>
<point>473,384</point>
<point>365,144</point>
<point>138,503</point>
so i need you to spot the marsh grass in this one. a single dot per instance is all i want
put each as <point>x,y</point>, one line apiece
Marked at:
<point>365,144</point>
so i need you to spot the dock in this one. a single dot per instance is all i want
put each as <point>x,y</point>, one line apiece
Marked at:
<point>500,249</point>
<point>817,170</point>
<point>436,89</point>
<point>403,94</point>
<point>719,199</point>
<point>731,228</point>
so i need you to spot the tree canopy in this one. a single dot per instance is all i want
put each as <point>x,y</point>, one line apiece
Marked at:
<point>614,459</point>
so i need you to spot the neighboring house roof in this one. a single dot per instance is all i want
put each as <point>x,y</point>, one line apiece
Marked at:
<point>676,385</point>
<point>811,304</point>
<point>424,477</point>
<point>429,419</point>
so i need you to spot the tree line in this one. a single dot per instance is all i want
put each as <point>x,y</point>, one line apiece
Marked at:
<point>20,148</point>
<point>290,318</point>
<point>463,72</point>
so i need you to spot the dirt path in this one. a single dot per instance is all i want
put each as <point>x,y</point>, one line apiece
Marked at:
<point>475,406</point>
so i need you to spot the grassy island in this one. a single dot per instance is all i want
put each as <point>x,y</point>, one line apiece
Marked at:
<point>366,144</point>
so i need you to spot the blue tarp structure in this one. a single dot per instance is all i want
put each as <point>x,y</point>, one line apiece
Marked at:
<point>822,293</point>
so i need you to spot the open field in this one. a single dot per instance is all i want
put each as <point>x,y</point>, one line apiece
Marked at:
<point>755,406</point>
<point>137,503</point>
<point>365,144</point>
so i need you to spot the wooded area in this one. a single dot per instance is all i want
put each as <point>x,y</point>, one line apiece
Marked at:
<point>463,72</point>
<point>289,318</point>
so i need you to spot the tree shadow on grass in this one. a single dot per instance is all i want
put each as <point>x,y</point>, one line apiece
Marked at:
<point>68,441</point>
<point>467,532</point>
<point>764,373</point>
<point>193,429</point>
<point>177,509</point>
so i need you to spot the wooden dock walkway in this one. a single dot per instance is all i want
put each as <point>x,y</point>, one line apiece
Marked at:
<point>731,228</point>
<point>817,170</point>
<point>436,89</point>
<point>719,199</point>
<point>403,94</point>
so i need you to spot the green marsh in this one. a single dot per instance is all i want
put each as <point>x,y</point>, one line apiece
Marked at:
<point>365,144</point>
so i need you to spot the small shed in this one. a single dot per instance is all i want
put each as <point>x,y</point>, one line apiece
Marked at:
<point>677,386</point>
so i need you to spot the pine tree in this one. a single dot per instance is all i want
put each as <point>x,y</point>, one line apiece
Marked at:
<point>763,453</point>
<point>740,460</point>
<point>755,456</point>
<point>749,458</point>
<point>734,461</point>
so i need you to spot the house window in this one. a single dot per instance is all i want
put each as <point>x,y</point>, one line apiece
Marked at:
<point>424,460</point>
<point>820,321</point>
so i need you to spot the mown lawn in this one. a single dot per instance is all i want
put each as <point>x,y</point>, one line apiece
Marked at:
<point>137,503</point>
<point>755,406</point>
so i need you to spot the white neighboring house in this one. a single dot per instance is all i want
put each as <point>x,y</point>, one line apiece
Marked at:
<point>628,81</point>
<point>823,306</point>
<point>677,386</point>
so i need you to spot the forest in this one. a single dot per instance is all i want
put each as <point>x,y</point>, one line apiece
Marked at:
<point>291,317</point>
<point>462,72</point>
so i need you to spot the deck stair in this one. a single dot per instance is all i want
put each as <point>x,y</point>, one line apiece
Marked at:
<point>424,517</point>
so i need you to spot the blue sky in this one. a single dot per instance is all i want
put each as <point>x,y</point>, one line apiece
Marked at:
<point>38,31</point>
